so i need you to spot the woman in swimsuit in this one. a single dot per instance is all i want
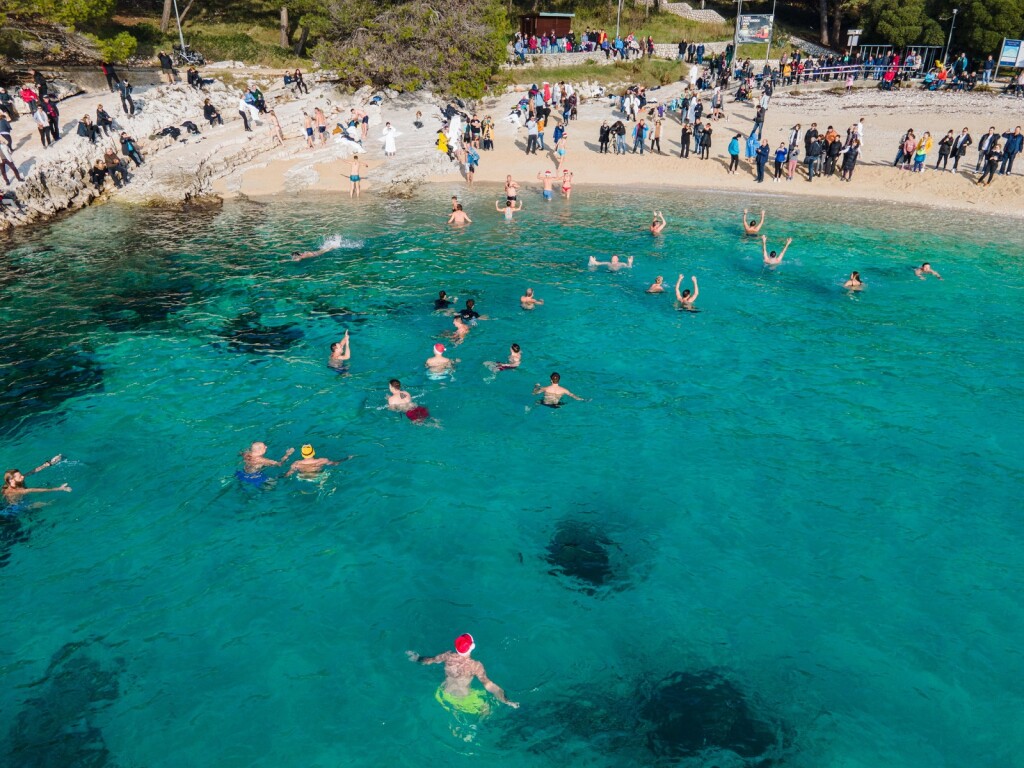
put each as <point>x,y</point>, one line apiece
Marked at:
<point>567,184</point>
<point>560,150</point>
<point>854,283</point>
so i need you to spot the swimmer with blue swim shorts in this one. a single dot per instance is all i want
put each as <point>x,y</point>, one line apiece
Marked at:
<point>255,460</point>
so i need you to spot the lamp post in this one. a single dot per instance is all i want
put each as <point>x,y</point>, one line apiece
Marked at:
<point>618,16</point>
<point>771,34</point>
<point>949,42</point>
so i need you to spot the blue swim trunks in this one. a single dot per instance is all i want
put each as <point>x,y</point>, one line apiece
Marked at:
<point>547,194</point>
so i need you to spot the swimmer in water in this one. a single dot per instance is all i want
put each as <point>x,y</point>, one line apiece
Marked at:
<point>255,459</point>
<point>926,269</point>
<point>658,286</point>
<point>515,359</point>
<point>459,217</point>
<point>548,179</point>
<point>753,227</point>
<point>14,482</point>
<point>772,259</point>
<point>686,298</point>
<point>469,313</point>
<point>459,671</point>
<point>340,352</point>
<point>439,363</point>
<point>461,330</point>
<point>657,227</point>
<point>528,301</point>
<point>300,255</point>
<point>854,283</point>
<point>554,392</point>
<point>614,265</point>
<point>508,208</point>
<point>309,465</point>
<point>511,189</point>
<point>443,301</point>
<point>398,398</point>
<point>455,203</point>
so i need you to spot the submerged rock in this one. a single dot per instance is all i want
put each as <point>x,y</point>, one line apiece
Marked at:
<point>579,551</point>
<point>137,309</point>
<point>36,381</point>
<point>247,334</point>
<point>56,729</point>
<point>687,720</point>
<point>704,715</point>
<point>12,531</point>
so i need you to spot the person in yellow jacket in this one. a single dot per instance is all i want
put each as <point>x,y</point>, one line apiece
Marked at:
<point>924,146</point>
<point>442,142</point>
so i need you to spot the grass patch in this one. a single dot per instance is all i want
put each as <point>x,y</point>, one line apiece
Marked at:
<point>647,72</point>
<point>248,41</point>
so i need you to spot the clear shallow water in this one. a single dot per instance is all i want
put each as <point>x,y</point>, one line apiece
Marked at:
<point>814,495</point>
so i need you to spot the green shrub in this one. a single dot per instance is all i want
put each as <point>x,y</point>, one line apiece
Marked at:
<point>116,49</point>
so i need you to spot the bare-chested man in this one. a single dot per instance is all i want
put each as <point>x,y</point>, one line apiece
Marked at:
<point>658,286</point>
<point>461,330</point>
<point>686,298</point>
<point>307,123</point>
<point>341,352</point>
<point>614,265</point>
<point>926,269</point>
<point>255,460</point>
<point>300,255</point>
<point>773,259</point>
<point>398,398</point>
<point>548,179</point>
<point>528,300</point>
<point>14,482</point>
<point>353,175</point>
<point>508,208</point>
<point>459,671</point>
<point>438,363</point>
<point>554,392</point>
<point>752,227</point>
<point>511,189</point>
<point>459,217</point>
<point>657,227</point>
<point>309,465</point>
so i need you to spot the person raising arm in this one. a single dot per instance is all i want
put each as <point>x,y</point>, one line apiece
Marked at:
<point>752,227</point>
<point>686,298</point>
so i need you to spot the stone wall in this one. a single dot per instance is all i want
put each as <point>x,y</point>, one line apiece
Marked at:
<point>661,51</point>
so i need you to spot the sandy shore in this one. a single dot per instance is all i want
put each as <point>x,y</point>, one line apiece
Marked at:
<point>226,161</point>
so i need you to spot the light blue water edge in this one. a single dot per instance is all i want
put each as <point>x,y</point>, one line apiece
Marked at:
<point>783,530</point>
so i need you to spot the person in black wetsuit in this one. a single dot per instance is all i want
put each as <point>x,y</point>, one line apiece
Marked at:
<point>468,312</point>
<point>442,301</point>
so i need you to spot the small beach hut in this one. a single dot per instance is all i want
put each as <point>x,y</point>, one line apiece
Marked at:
<point>543,23</point>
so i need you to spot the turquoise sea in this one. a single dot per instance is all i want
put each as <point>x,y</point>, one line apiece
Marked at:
<point>781,531</point>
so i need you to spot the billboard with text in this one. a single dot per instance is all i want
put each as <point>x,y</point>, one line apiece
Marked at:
<point>756,28</point>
